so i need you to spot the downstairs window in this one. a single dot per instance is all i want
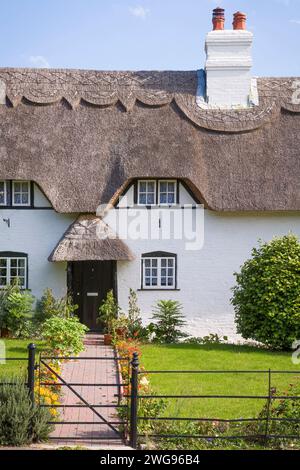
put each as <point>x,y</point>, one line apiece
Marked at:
<point>159,270</point>
<point>13,268</point>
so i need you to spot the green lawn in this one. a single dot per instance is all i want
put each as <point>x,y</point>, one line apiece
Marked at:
<point>215,357</point>
<point>16,348</point>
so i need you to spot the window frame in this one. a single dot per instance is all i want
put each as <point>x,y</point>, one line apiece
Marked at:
<point>9,256</point>
<point>155,192</point>
<point>175,193</point>
<point>15,204</point>
<point>159,256</point>
<point>5,193</point>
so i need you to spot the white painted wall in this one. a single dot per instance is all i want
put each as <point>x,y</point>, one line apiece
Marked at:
<point>205,277</point>
<point>40,200</point>
<point>36,232</point>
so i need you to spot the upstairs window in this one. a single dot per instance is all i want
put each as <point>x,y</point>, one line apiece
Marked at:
<point>147,192</point>
<point>3,193</point>
<point>21,193</point>
<point>161,192</point>
<point>167,192</point>
<point>159,270</point>
<point>13,268</point>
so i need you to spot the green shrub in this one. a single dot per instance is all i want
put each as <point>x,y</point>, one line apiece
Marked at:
<point>135,326</point>
<point>16,310</point>
<point>20,423</point>
<point>168,319</point>
<point>64,335</point>
<point>108,312</point>
<point>212,338</point>
<point>283,409</point>
<point>266,298</point>
<point>48,306</point>
<point>186,432</point>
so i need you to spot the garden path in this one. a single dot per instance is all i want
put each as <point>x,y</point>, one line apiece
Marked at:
<point>90,371</point>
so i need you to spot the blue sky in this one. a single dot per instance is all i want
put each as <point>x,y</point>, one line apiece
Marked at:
<point>142,34</point>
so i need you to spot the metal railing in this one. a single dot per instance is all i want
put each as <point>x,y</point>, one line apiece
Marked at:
<point>135,397</point>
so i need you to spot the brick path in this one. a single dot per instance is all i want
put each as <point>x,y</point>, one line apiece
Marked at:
<point>89,371</point>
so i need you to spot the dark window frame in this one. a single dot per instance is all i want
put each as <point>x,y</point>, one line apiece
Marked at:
<point>159,254</point>
<point>9,196</point>
<point>17,254</point>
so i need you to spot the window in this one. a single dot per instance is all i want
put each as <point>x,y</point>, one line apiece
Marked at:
<point>13,267</point>
<point>21,193</point>
<point>152,192</point>
<point>159,271</point>
<point>147,192</point>
<point>3,193</point>
<point>167,192</point>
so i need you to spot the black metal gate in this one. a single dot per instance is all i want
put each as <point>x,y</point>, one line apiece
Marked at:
<point>119,427</point>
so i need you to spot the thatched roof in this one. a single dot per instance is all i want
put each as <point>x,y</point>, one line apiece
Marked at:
<point>81,135</point>
<point>89,238</point>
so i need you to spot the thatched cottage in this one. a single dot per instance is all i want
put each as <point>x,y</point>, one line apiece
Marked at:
<point>89,159</point>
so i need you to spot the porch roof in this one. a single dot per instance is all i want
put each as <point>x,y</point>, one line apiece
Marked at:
<point>89,239</point>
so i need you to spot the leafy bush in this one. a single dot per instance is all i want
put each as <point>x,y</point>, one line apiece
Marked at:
<point>64,335</point>
<point>16,309</point>
<point>135,325</point>
<point>20,423</point>
<point>209,339</point>
<point>48,306</point>
<point>169,318</point>
<point>266,298</point>
<point>283,409</point>
<point>185,429</point>
<point>108,311</point>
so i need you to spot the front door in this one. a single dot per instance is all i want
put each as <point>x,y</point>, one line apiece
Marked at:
<point>89,283</point>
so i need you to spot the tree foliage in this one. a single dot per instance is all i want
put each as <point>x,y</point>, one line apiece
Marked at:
<point>266,297</point>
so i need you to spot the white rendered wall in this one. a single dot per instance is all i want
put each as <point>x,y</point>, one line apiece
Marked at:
<point>36,232</point>
<point>40,199</point>
<point>205,277</point>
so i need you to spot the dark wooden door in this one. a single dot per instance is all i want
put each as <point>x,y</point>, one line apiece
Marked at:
<point>90,281</point>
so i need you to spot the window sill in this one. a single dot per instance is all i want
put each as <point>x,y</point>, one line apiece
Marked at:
<point>158,289</point>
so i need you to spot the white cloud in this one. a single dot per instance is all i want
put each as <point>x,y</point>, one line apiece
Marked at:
<point>295,21</point>
<point>39,61</point>
<point>139,11</point>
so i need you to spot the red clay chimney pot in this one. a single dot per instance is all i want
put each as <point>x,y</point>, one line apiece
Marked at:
<point>218,19</point>
<point>239,21</point>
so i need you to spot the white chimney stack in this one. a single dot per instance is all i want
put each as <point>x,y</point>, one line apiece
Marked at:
<point>228,63</point>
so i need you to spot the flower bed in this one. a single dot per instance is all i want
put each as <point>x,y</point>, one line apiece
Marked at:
<point>147,407</point>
